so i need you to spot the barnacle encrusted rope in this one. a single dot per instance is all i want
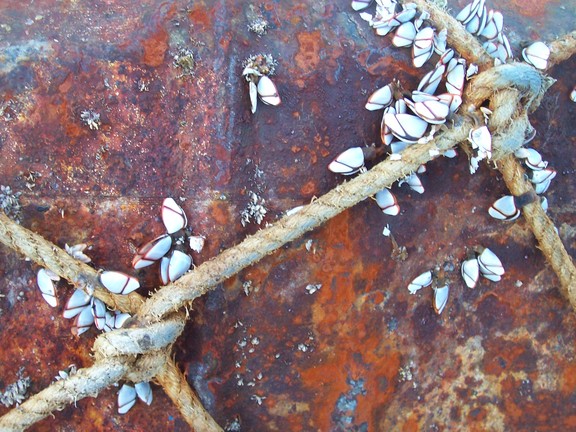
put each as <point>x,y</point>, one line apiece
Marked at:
<point>84,277</point>
<point>540,224</point>
<point>482,88</point>
<point>465,43</point>
<point>289,228</point>
<point>85,382</point>
<point>542,227</point>
<point>52,257</point>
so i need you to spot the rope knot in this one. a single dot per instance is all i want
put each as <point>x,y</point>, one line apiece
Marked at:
<point>144,348</point>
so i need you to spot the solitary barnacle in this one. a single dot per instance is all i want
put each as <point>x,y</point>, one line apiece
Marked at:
<point>257,71</point>
<point>45,280</point>
<point>91,119</point>
<point>537,55</point>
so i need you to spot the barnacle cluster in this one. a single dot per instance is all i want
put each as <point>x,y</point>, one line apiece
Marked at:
<point>412,118</point>
<point>259,26</point>
<point>480,261</point>
<point>15,393</point>
<point>90,119</point>
<point>263,63</point>
<point>184,60</point>
<point>87,310</point>
<point>254,211</point>
<point>10,203</point>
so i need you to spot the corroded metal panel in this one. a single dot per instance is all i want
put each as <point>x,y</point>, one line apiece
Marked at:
<point>360,352</point>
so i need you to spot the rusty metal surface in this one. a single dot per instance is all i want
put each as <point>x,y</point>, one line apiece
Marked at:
<point>361,353</point>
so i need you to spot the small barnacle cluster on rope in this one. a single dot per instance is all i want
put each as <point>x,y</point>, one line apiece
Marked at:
<point>508,208</point>
<point>16,392</point>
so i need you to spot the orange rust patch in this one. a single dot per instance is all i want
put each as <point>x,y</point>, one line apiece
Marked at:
<point>529,8</point>
<point>373,66</point>
<point>308,188</point>
<point>569,379</point>
<point>219,213</point>
<point>504,356</point>
<point>66,84</point>
<point>295,149</point>
<point>512,409</point>
<point>72,126</point>
<point>375,370</point>
<point>199,15</point>
<point>411,424</point>
<point>155,48</point>
<point>308,56</point>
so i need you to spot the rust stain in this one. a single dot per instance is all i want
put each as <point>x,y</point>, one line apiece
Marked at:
<point>530,8</point>
<point>219,212</point>
<point>569,379</point>
<point>155,48</point>
<point>308,188</point>
<point>202,16</point>
<point>309,46</point>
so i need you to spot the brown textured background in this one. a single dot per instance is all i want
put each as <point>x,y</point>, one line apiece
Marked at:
<point>500,357</point>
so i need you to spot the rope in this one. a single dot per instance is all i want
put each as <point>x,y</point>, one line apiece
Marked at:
<point>463,42</point>
<point>531,83</point>
<point>185,399</point>
<point>542,227</point>
<point>562,49</point>
<point>138,340</point>
<point>85,382</point>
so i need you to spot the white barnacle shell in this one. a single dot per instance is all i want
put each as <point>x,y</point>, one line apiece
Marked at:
<point>537,55</point>
<point>348,162</point>
<point>420,281</point>
<point>440,298</point>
